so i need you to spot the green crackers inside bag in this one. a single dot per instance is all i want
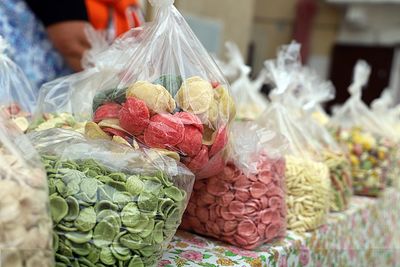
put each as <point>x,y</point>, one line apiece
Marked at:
<point>110,205</point>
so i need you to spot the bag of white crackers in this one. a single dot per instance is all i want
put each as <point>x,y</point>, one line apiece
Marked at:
<point>307,177</point>
<point>25,222</point>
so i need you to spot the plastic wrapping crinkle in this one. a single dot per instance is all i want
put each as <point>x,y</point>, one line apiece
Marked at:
<point>383,109</point>
<point>306,176</point>
<point>25,222</point>
<point>243,205</point>
<point>307,96</point>
<point>250,103</point>
<point>367,138</point>
<point>17,97</point>
<point>110,205</point>
<point>67,101</point>
<point>170,96</point>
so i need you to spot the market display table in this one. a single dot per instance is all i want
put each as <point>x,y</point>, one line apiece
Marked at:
<point>367,234</point>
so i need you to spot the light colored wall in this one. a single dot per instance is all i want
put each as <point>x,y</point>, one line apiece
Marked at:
<point>380,25</point>
<point>273,27</point>
<point>236,17</point>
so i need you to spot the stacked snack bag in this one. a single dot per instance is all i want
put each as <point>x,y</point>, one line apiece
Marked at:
<point>243,205</point>
<point>110,205</point>
<point>250,103</point>
<point>25,223</point>
<point>17,97</point>
<point>368,140</point>
<point>309,95</point>
<point>171,97</point>
<point>307,177</point>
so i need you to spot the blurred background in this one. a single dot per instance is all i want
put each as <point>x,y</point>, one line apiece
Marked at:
<point>334,34</point>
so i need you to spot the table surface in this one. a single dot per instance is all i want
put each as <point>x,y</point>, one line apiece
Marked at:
<point>367,234</point>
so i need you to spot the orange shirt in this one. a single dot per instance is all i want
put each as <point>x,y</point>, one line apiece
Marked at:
<point>123,14</point>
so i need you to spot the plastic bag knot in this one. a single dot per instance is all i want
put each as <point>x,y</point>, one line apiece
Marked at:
<point>161,3</point>
<point>3,46</point>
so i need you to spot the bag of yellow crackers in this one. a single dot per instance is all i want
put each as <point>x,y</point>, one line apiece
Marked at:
<point>307,177</point>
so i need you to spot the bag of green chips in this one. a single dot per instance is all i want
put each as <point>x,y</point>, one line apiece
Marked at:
<point>25,224</point>
<point>110,204</point>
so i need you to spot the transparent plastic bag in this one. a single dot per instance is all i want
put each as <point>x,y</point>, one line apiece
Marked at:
<point>17,97</point>
<point>309,95</point>
<point>243,205</point>
<point>25,222</point>
<point>250,103</point>
<point>366,137</point>
<point>111,205</point>
<point>67,101</point>
<point>307,177</point>
<point>383,109</point>
<point>171,95</point>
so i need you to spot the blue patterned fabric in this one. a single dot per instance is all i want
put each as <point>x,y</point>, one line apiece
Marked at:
<point>29,46</point>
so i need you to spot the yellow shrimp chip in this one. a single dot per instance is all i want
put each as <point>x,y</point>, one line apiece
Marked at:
<point>92,130</point>
<point>195,95</point>
<point>156,97</point>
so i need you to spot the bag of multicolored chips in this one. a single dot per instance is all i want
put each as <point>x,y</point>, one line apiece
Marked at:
<point>383,109</point>
<point>111,205</point>
<point>306,176</point>
<point>243,205</point>
<point>307,96</point>
<point>366,137</point>
<point>170,96</point>
<point>25,222</point>
<point>17,97</point>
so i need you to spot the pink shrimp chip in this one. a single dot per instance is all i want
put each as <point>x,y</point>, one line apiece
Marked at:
<point>134,116</point>
<point>189,119</point>
<point>107,111</point>
<point>164,131</point>
<point>213,167</point>
<point>220,141</point>
<point>191,142</point>
<point>199,160</point>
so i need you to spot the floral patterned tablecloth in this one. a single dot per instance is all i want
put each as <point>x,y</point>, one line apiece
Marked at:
<point>367,234</point>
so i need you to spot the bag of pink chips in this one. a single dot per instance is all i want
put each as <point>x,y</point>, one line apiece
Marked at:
<point>244,204</point>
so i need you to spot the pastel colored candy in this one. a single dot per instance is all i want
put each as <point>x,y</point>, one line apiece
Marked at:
<point>134,116</point>
<point>164,131</point>
<point>107,111</point>
<point>237,208</point>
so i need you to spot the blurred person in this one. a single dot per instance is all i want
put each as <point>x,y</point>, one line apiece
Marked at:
<point>47,37</point>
